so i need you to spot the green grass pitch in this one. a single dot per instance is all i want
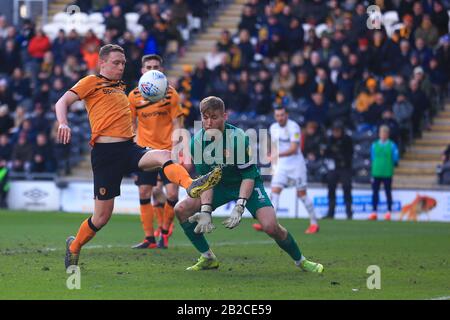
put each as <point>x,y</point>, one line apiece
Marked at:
<point>414,259</point>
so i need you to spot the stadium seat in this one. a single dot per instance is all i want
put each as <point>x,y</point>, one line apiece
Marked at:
<point>135,29</point>
<point>320,29</point>
<point>60,17</point>
<point>99,30</point>
<point>80,18</point>
<point>51,29</point>
<point>390,18</point>
<point>96,18</point>
<point>132,18</point>
<point>194,23</point>
<point>363,136</point>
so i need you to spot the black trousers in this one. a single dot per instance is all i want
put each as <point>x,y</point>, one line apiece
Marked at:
<point>376,182</point>
<point>344,176</point>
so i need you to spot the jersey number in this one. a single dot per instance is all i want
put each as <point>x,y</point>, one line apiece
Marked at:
<point>260,195</point>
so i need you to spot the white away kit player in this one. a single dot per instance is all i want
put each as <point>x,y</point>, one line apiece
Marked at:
<point>290,168</point>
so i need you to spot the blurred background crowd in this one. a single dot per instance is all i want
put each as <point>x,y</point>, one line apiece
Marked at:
<point>316,58</point>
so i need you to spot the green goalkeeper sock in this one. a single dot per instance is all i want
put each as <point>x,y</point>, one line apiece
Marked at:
<point>290,246</point>
<point>197,239</point>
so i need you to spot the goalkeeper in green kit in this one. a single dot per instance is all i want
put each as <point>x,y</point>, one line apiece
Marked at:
<point>219,143</point>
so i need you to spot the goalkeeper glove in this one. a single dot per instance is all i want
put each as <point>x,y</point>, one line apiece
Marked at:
<point>236,214</point>
<point>203,219</point>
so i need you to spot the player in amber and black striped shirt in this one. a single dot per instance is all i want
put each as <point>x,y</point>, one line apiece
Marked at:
<point>114,153</point>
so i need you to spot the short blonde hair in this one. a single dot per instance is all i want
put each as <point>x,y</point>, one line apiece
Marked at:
<point>385,128</point>
<point>212,104</point>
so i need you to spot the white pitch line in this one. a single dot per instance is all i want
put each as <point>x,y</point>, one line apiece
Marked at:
<point>109,246</point>
<point>441,298</point>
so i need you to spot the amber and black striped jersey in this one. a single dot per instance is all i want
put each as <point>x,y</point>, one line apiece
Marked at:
<point>155,120</point>
<point>107,106</point>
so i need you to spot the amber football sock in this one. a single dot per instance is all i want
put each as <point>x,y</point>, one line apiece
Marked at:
<point>169,213</point>
<point>147,217</point>
<point>177,174</point>
<point>86,232</point>
<point>159,210</point>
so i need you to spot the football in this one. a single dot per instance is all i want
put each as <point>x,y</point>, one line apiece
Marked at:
<point>153,85</point>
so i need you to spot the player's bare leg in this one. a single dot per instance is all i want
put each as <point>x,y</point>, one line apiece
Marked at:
<point>183,210</point>
<point>177,174</point>
<point>147,212</point>
<point>313,225</point>
<point>267,218</point>
<point>102,213</point>
<point>275,199</point>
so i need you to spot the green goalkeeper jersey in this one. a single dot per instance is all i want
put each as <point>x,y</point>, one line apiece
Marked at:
<point>231,149</point>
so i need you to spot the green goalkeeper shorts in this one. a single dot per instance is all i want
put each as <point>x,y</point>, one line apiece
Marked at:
<point>258,199</point>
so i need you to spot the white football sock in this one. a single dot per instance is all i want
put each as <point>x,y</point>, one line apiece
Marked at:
<point>298,262</point>
<point>310,209</point>
<point>275,198</point>
<point>209,254</point>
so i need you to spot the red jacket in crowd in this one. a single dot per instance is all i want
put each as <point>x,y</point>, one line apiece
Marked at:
<point>38,46</point>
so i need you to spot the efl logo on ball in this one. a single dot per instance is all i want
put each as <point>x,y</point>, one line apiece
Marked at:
<point>153,85</point>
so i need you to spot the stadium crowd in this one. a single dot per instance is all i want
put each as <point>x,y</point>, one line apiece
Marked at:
<point>316,58</point>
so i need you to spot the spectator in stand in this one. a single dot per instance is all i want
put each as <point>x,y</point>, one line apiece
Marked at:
<point>438,77</point>
<point>73,69</point>
<point>246,48</point>
<point>38,119</point>
<point>38,46</point>
<point>445,166</point>
<point>428,32</point>
<point>214,58</point>
<point>116,22</point>
<point>6,96</point>
<point>295,35</point>
<point>5,150</point>
<point>10,57</point>
<point>259,100</point>
<point>440,18</point>
<point>6,121</point>
<point>424,83</point>
<point>303,87</point>
<point>180,11</point>
<point>422,51</point>
<point>367,96</point>
<point>20,87</point>
<point>421,105</point>
<point>57,91</point>
<point>248,20</point>
<point>372,117</point>
<point>384,157</point>
<point>22,154</point>
<point>201,80</point>
<point>388,120</point>
<point>388,90</point>
<point>284,80</point>
<point>340,111</point>
<point>90,57</point>
<point>43,160</point>
<point>224,43</point>
<point>313,142</point>
<point>220,85</point>
<point>235,100</point>
<point>58,46</point>
<point>317,109</point>
<point>339,155</point>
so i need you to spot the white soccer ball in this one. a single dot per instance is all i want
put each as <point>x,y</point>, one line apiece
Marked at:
<point>153,85</point>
